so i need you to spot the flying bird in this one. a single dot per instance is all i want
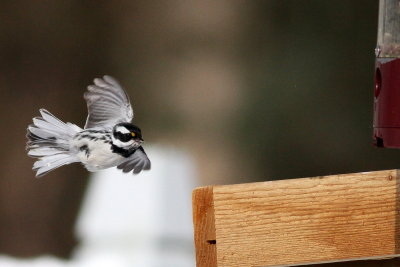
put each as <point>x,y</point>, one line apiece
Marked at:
<point>108,139</point>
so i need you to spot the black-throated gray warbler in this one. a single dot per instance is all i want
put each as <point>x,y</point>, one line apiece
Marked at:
<point>107,140</point>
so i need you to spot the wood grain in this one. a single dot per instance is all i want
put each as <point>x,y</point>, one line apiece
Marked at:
<point>302,221</point>
<point>203,220</point>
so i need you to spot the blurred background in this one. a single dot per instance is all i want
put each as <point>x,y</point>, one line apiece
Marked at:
<point>224,92</point>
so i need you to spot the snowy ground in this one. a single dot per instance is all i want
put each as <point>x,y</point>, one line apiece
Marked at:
<point>129,221</point>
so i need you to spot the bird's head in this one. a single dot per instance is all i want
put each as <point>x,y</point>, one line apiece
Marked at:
<point>127,136</point>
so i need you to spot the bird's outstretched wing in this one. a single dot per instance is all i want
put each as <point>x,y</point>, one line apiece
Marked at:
<point>108,104</point>
<point>137,162</point>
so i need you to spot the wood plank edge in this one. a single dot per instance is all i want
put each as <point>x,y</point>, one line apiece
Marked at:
<point>204,227</point>
<point>377,258</point>
<point>300,179</point>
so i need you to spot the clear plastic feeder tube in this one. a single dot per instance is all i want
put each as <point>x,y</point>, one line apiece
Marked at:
<point>388,44</point>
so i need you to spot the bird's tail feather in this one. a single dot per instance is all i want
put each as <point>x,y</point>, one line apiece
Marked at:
<point>49,142</point>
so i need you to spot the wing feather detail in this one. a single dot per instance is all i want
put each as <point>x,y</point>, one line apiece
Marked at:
<point>137,162</point>
<point>108,104</point>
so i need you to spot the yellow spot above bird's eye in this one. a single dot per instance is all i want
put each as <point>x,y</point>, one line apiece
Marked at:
<point>133,134</point>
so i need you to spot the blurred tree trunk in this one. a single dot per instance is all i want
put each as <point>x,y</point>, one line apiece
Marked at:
<point>49,51</point>
<point>186,56</point>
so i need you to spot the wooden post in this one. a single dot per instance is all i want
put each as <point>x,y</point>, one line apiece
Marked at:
<point>298,221</point>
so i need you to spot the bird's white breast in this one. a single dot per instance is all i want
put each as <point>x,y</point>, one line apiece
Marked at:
<point>98,155</point>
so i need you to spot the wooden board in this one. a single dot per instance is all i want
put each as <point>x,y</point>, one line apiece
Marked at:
<point>203,218</point>
<point>298,221</point>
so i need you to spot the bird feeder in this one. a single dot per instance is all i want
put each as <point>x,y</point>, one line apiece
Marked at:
<point>387,76</point>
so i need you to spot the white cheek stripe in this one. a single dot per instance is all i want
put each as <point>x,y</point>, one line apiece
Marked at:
<point>122,130</point>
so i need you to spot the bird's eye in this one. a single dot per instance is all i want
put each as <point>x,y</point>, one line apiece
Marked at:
<point>133,134</point>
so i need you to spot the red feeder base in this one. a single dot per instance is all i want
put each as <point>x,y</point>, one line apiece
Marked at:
<point>387,103</point>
